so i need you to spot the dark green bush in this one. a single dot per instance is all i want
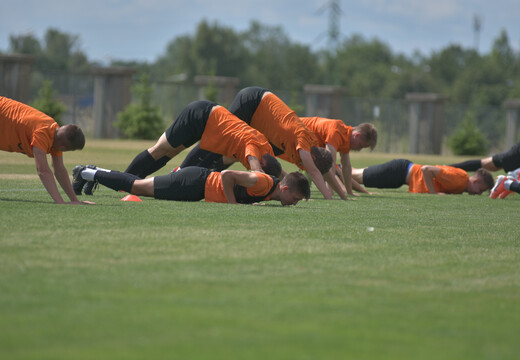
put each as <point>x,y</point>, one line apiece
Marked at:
<point>141,120</point>
<point>467,138</point>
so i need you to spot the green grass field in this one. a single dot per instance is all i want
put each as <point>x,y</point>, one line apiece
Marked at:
<point>437,278</point>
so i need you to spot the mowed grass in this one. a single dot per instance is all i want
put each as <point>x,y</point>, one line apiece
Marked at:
<point>437,278</point>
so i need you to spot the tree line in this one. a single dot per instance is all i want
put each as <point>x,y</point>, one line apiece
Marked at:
<point>265,56</point>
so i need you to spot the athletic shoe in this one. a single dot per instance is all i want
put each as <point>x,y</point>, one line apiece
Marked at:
<point>90,186</point>
<point>499,188</point>
<point>175,169</point>
<point>77,181</point>
<point>514,174</point>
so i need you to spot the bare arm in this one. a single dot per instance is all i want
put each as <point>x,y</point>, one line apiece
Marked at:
<point>346,168</point>
<point>61,174</point>
<point>331,178</point>
<point>230,178</point>
<point>429,173</point>
<point>254,163</point>
<point>315,174</point>
<point>46,175</point>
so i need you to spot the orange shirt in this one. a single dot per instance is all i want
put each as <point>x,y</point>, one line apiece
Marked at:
<point>22,127</point>
<point>283,127</point>
<point>332,131</point>
<point>214,190</point>
<point>227,135</point>
<point>450,180</point>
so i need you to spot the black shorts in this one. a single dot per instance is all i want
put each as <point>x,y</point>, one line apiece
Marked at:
<point>205,159</point>
<point>246,102</point>
<point>508,160</point>
<point>390,175</point>
<point>187,184</point>
<point>187,129</point>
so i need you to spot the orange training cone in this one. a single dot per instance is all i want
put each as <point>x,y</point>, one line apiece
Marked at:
<point>131,198</point>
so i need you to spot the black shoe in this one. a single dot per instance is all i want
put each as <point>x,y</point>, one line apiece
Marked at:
<point>77,181</point>
<point>90,186</point>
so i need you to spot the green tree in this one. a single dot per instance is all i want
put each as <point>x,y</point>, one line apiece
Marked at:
<point>141,120</point>
<point>467,138</point>
<point>25,44</point>
<point>46,102</point>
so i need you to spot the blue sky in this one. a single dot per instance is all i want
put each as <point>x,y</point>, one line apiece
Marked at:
<point>141,29</point>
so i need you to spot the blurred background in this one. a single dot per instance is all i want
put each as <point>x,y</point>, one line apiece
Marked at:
<point>439,78</point>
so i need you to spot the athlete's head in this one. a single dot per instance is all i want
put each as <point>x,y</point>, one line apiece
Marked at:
<point>322,159</point>
<point>480,181</point>
<point>293,188</point>
<point>270,165</point>
<point>363,136</point>
<point>69,138</point>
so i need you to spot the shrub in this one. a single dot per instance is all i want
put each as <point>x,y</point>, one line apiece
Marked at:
<point>46,103</point>
<point>141,120</point>
<point>467,138</point>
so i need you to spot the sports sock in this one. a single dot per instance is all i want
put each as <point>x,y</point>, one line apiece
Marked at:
<point>88,174</point>
<point>513,186</point>
<point>141,164</point>
<point>470,165</point>
<point>158,164</point>
<point>116,180</point>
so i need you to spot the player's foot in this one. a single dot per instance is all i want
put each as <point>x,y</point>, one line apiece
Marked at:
<point>175,169</point>
<point>499,190</point>
<point>77,181</point>
<point>514,174</point>
<point>90,186</point>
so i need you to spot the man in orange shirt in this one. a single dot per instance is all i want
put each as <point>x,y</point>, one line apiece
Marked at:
<point>28,131</point>
<point>218,130</point>
<point>265,112</point>
<point>433,179</point>
<point>336,137</point>
<point>195,183</point>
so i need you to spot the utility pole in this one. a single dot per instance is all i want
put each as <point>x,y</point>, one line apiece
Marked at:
<point>477,27</point>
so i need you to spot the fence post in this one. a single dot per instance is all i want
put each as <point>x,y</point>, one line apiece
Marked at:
<point>112,93</point>
<point>513,107</point>
<point>324,100</point>
<point>426,122</point>
<point>15,73</point>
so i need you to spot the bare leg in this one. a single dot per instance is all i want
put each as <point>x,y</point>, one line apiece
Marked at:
<point>357,175</point>
<point>163,148</point>
<point>488,164</point>
<point>143,187</point>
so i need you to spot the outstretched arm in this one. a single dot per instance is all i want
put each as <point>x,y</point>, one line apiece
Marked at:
<point>61,174</point>
<point>346,168</point>
<point>315,174</point>
<point>331,178</point>
<point>46,175</point>
<point>230,178</point>
<point>254,163</point>
<point>429,173</point>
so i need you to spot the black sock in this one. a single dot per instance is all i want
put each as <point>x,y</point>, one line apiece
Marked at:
<point>116,180</point>
<point>515,186</point>
<point>158,164</point>
<point>470,165</point>
<point>141,165</point>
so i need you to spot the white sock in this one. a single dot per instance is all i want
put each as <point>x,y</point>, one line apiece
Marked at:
<point>88,174</point>
<point>507,183</point>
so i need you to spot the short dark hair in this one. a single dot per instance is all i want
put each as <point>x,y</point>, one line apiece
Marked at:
<point>486,176</point>
<point>73,135</point>
<point>368,133</point>
<point>297,182</point>
<point>322,159</point>
<point>271,165</point>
